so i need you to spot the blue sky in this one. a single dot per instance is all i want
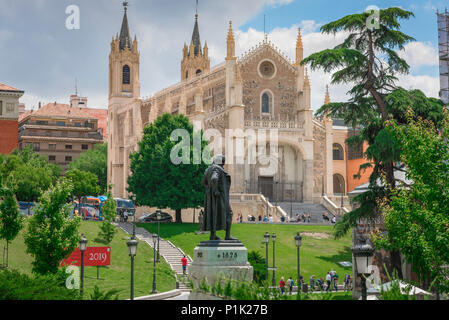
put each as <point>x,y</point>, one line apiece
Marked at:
<point>39,55</point>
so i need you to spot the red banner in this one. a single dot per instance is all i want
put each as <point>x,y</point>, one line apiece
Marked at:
<point>93,256</point>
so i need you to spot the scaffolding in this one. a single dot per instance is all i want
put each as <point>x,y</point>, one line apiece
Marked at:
<point>443,49</point>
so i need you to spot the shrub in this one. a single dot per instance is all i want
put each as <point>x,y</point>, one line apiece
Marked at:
<point>17,286</point>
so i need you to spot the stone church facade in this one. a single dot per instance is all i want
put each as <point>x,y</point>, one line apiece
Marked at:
<point>260,90</point>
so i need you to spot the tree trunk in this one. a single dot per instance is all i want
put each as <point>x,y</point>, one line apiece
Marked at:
<point>178,216</point>
<point>396,263</point>
<point>7,248</point>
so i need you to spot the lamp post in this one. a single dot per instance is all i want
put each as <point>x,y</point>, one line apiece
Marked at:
<point>298,245</point>
<point>134,224</point>
<point>154,263</point>
<point>266,238</point>
<point>132,248</point>
<point>363,256</point>
<point>273,238</point>
<point>83,247</point>
<point>158,216</point>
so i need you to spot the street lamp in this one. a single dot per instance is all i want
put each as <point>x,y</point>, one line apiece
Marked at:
<point>158,216</point>
<point>298,244</point>
<point>273,238</point>
<point>154,262</point>
<point>83,247</point>
<point>132,248</point>
<point>134,224</point>
<point>266,238</point>
<point>363,256</point>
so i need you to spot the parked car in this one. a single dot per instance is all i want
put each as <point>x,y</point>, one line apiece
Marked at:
<point>23,208</point>
<point>151,217</point>
<point>125,205</point>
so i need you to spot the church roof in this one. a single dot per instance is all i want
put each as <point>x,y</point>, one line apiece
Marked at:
<point>124,33</point>
<point>196,37</point>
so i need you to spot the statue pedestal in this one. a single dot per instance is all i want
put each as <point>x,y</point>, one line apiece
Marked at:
<point>220,259</point>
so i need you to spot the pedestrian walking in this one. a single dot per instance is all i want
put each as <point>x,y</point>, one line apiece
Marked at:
<point>282,285</point>
<point>320,282</point>
<point>260,218</point>
<point>312,283</point>
<point>184,262</point>
<point>336,282</point>
<point>328,281</point>
<point>308,218</point>
<point>290,285</point>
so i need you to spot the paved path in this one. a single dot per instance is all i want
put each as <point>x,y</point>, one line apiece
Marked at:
<point>167,250</point>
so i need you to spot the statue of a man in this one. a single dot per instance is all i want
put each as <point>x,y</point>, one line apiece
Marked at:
<point>217,210</point>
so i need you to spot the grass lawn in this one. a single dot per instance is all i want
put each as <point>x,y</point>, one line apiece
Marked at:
<point>317,256</point>
<point>118,274</point>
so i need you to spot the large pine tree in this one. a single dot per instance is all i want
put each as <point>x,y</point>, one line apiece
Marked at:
<point>368,60</point>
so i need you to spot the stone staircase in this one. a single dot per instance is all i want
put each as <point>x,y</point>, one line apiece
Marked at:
<point>167,251</point>
<point>316,211</point>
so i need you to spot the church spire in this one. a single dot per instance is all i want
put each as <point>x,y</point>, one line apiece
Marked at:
<point>327,98</point>
<point>306,80</point>
<point>299,48</point>
<point>196,38</point>
<point>125,37</point>
<point>230,44</point>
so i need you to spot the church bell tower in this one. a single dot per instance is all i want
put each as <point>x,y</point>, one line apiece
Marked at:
<point>195,60</point>
<point>124,63</point>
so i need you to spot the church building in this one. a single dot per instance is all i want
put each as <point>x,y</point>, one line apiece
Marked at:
<point>261,89</point>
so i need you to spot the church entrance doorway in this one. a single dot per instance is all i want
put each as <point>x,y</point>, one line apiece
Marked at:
<point>266,187</point>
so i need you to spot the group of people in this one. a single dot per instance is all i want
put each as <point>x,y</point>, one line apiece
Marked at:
<point>326,218</point>
<point>304,217</point>
<point>330,282</point>
<point>320,284</point>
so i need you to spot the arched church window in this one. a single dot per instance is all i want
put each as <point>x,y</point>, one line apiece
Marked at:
<point>187,74</point>
<point>198,72</point>
<point>337,152</point>
<point>267,102</point>
<point>126,74</point>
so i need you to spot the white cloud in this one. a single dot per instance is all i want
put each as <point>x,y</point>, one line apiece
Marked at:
<point>277,3</point>
<point>427,84</point>
<point>419,54</point>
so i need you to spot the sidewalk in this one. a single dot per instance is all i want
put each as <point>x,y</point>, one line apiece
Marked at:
<point>167,250</point>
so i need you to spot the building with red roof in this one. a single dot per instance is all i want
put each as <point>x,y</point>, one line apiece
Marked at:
<point>9,114</point>
<point>61,132</point>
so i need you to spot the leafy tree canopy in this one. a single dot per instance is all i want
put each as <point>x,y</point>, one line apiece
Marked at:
<point>96,162</point>
<point>155,180</point>
<point>84,183</point>
<point>51,234</point>
<point>417,216</point>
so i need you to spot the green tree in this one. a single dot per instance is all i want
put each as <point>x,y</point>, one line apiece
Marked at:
<point>368,60</point>
<point>96,162</point>
<point>10,220</point>
<point>155,180</point>
<point>84,183</point>
<point>107,229</point>
<point>417,216</point>
<point>30,172</point>
<point>51,234</point>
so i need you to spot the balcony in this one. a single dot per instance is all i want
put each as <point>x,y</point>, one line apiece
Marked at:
<point>96,135</point>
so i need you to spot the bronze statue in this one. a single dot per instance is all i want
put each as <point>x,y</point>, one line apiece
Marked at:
<point>217,210</point>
